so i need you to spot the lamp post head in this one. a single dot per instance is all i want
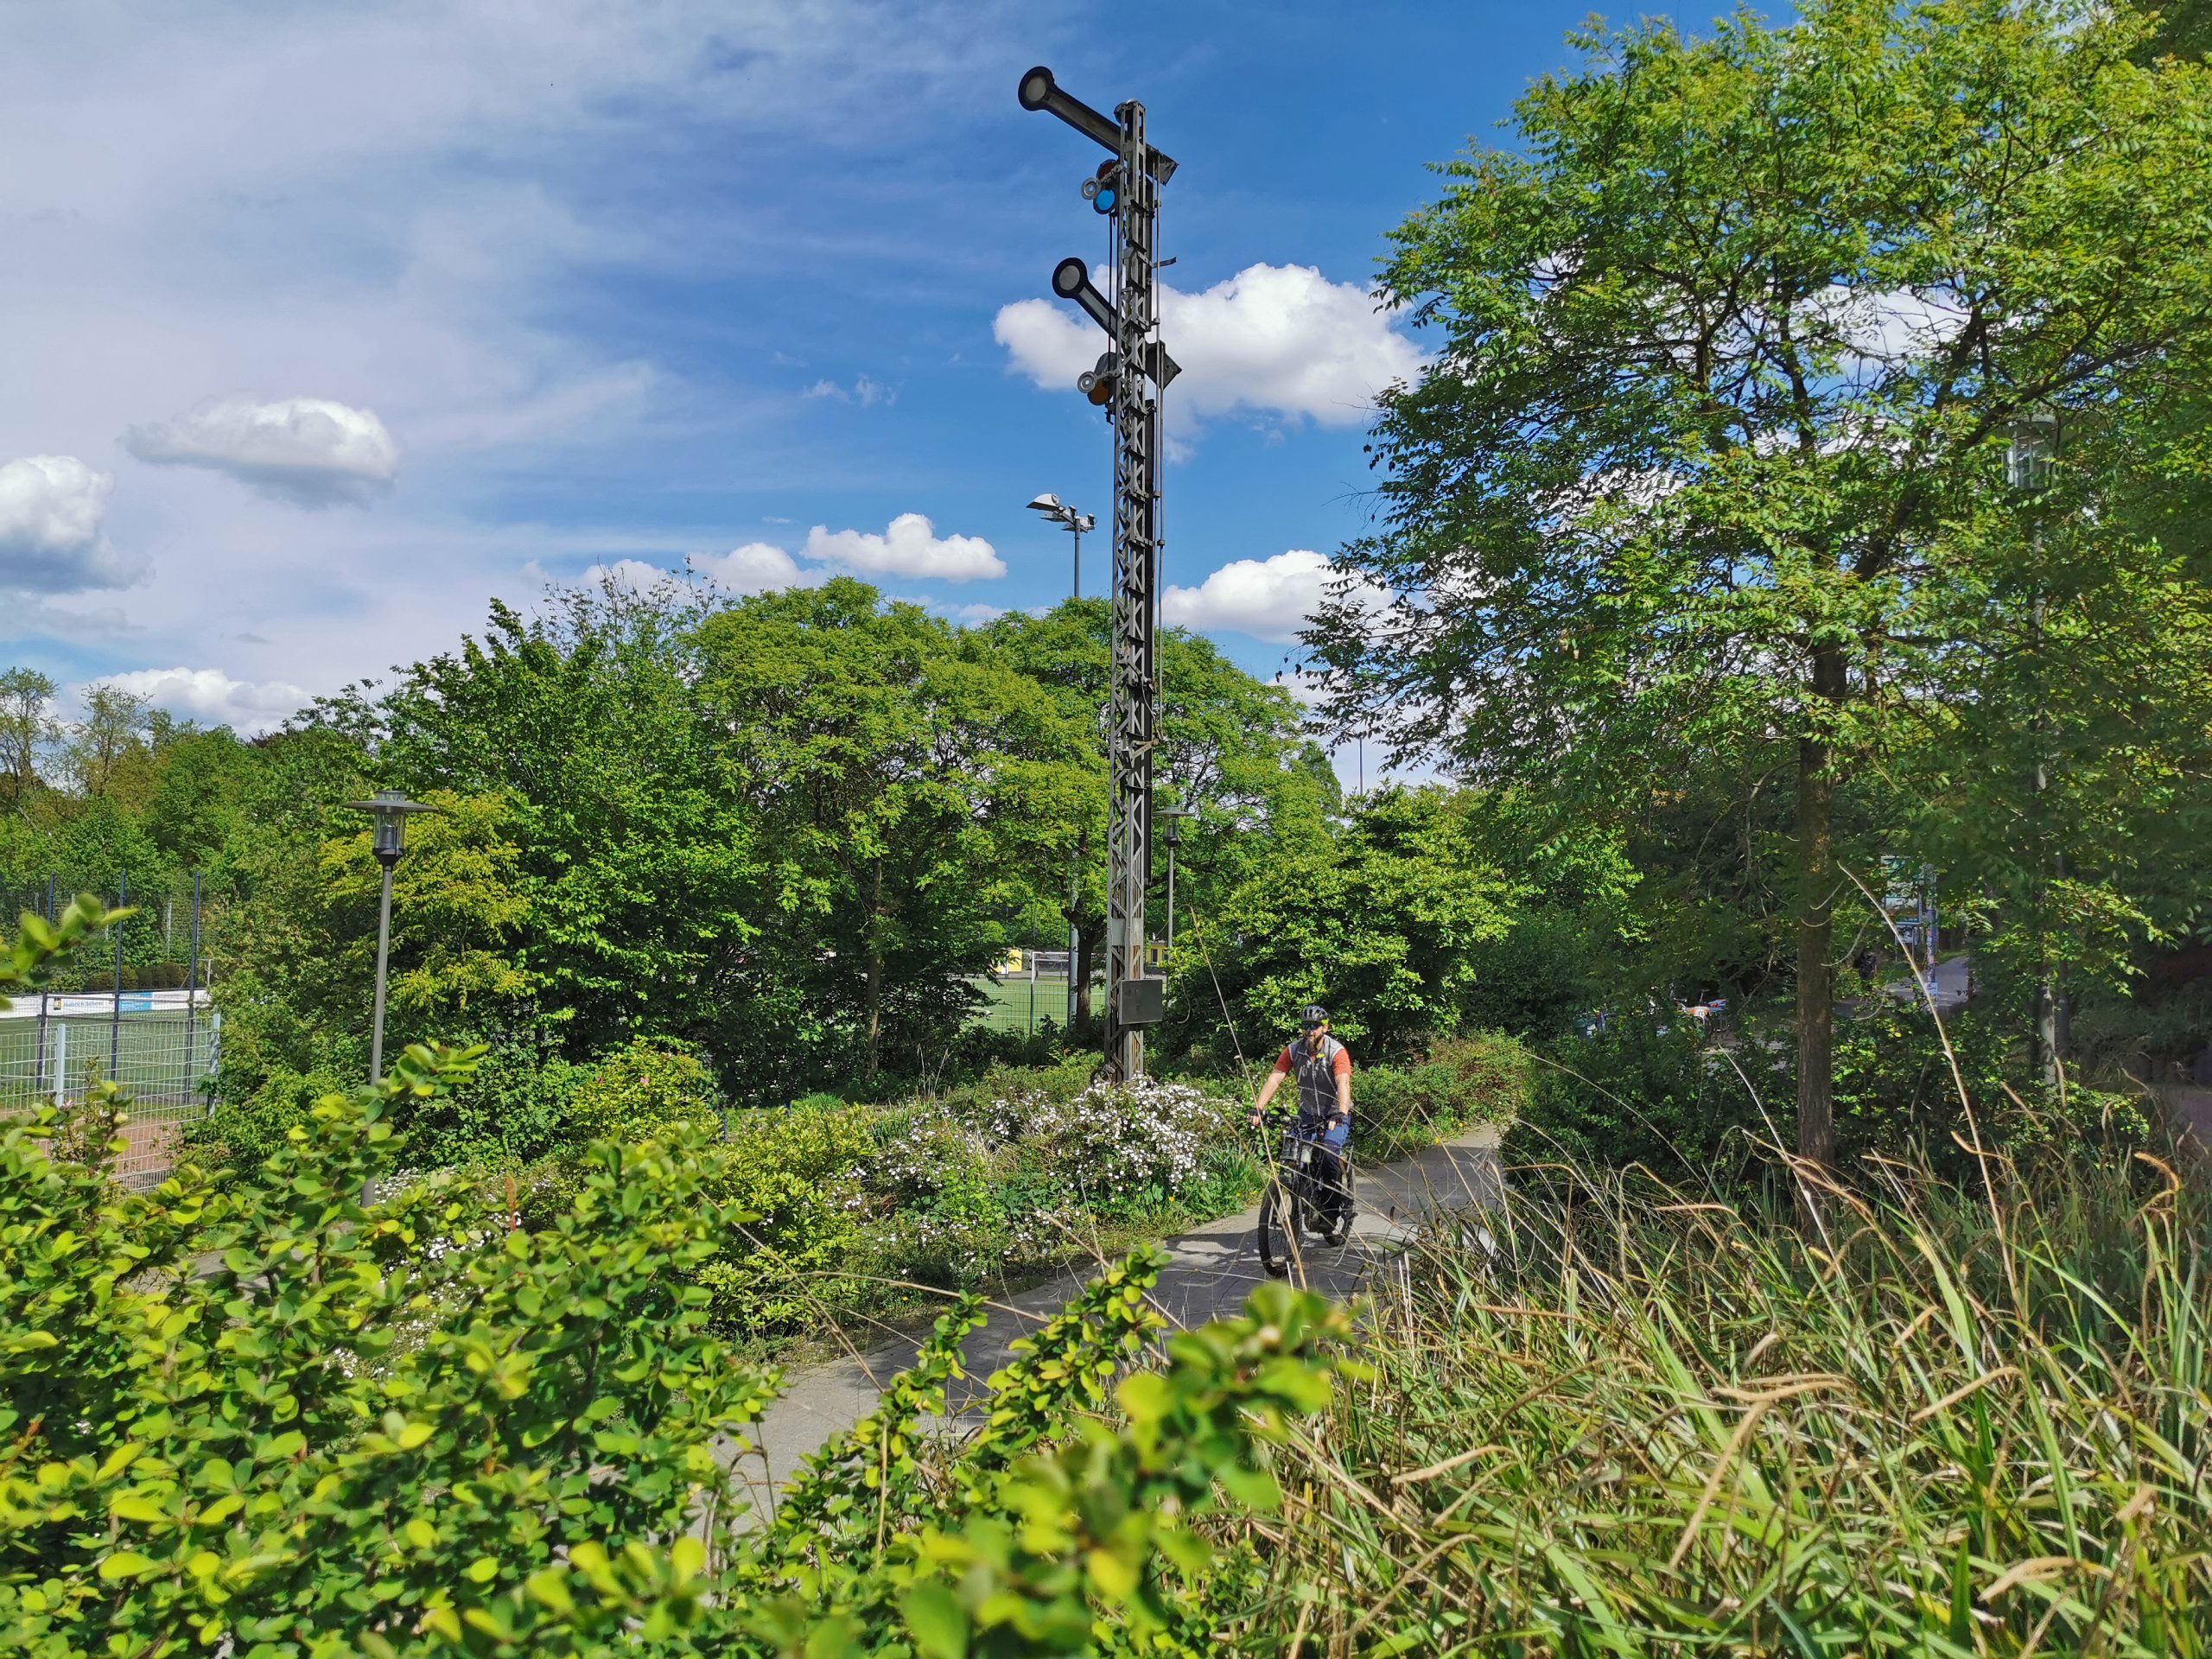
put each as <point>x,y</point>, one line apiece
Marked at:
<point>388,811</point>
<point>1048,504</point>
<point>1171,836</point>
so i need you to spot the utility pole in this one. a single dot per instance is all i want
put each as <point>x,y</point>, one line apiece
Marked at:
<point>2029,460</point>
<point>1125,383</point>
<point>1075,524</point>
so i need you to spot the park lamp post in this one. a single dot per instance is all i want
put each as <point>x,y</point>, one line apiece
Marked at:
<point>390,809</point>
<point>1172,837</point>
<point>1074,522</point>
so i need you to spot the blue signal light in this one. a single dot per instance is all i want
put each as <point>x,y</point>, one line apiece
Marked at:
<point>1104,201</point>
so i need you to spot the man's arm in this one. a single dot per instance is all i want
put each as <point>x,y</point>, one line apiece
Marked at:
<point>1343,1095</point>
<point>1266,1091</point>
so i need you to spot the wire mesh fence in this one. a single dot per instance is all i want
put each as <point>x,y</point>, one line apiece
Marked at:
<point>1029,988</point>
<point>163,1045</point>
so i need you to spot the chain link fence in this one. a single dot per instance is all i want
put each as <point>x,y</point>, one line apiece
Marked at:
<point>163,1045</point>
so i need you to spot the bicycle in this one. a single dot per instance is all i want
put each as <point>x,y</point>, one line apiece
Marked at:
<point>1299,1194</point>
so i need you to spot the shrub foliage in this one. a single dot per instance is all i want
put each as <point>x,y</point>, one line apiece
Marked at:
<point>269,1420</point>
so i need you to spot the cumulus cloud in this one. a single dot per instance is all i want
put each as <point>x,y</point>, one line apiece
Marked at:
<point>52,510</point>
<point>630,575</point>
<point>1890,325</point>
<point>1269,599</point>
<point>310,451</point>
<point>756,568</point>
<point>911,547</point>
<point>864,392</point>
<point>1274,339</point>
<point>210,696</point>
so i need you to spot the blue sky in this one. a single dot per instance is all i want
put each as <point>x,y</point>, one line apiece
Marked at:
<point>324,325</point>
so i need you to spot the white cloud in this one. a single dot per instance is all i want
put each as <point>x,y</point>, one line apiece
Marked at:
<point>1269,599</point>
<point>630,575</point>
<point>309,451</point>
<point>756,568</point>
<point>909,547</point>
<point>210,696</point>
<point>52,509</point>
<point>1887,325</point>
<point>864,392</point>
<point>1277,339</point>
<point>430,211</point>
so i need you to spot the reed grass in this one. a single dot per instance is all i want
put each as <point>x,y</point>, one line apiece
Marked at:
<point>1610,1417</point>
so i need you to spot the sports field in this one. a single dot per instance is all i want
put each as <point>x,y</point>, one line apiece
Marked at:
<point>1023,1004</point>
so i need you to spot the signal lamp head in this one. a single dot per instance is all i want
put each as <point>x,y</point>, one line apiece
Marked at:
<point>1069,278</point>
<point>1036,86</point>
<point>1100,392</point>
<point>1103,200</point>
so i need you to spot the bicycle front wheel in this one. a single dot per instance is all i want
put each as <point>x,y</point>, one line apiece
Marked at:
<point>1279,1218</point>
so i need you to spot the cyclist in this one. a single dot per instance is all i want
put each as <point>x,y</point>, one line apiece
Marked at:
<point>1322,1067</point>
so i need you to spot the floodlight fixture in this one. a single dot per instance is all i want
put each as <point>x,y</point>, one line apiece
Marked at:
<point>2033,451</point>
<point>1048,504</point>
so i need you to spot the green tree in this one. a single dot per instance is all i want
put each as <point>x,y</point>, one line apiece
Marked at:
<point>107,746</point>
<point>633,853</point>
<point>1731,350</point>
<point>27,729</point>
<point>1383,926</point>
<point>898,773</point>
<point>1233,750</point>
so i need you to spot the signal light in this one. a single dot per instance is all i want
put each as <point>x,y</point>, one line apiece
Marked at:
<point>1102,189</point>
<point>1096,383</point>
<point>1039,90</point>
<point>1071,281</point>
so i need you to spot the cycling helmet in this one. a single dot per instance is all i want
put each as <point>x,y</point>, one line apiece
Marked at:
<point>1312,1016</point>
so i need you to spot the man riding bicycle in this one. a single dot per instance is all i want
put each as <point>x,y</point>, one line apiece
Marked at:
<point>1322,1068</point>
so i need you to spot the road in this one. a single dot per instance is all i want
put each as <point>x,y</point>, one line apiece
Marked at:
<point>1212,1270</point>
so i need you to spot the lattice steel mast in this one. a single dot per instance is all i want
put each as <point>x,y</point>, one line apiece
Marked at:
<point>1126,383</point>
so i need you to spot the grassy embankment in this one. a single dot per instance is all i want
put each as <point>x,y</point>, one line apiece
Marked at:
<point>1621,1419</point>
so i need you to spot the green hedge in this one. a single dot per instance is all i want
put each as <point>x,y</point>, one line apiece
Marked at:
<point>268,1420</point>
<point>1483,1078</point>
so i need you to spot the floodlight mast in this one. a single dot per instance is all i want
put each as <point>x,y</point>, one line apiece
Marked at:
<point>1136,366</point>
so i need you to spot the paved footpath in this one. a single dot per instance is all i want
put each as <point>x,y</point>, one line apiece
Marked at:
<point>1212,1270</point>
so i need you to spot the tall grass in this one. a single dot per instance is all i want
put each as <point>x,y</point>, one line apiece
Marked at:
<point>1611,1418</point>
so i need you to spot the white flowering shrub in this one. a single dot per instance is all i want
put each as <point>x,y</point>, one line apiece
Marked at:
<point>1117,1149</point>
<point>1017,1174</point>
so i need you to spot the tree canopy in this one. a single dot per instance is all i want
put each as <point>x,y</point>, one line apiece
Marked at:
<point>1709,469</point>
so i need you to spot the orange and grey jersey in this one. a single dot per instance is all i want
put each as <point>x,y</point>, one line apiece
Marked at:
<point>1315,1063</point>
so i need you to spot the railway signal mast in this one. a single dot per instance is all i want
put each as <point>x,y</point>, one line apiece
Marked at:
<point>1126,383</point>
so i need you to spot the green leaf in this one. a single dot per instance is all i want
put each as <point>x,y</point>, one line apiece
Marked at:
<point>936,1620</point>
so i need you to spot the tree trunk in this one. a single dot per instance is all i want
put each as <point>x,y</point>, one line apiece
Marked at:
<point>1087,941</point>
<point>875,968</point>
<point>1815,926</point>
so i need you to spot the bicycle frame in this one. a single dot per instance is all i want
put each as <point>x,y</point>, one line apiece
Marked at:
<point>1298,1190</point>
